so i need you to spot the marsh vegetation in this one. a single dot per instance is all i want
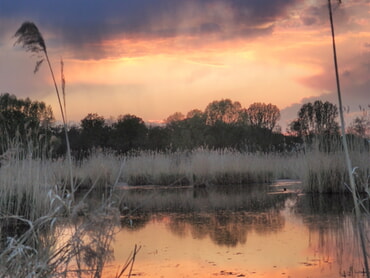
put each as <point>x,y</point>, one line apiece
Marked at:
<point>67,191</point>
<point>40,217</point>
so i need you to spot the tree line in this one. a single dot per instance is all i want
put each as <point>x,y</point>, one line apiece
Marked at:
<point>24,123</point>
<point>223,124</point>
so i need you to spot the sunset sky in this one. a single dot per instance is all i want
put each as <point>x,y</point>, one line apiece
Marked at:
<point>154,58</point>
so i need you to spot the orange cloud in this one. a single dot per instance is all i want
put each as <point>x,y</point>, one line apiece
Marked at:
<point>184,54</point>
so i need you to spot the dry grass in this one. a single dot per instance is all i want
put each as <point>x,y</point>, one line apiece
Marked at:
<point>327,172</point>
<point>36,208</point>
<point>56,245</point>
<point>26,184</point>
<point>201,166</point>
<point>319,172</point>
<point>100,169</point>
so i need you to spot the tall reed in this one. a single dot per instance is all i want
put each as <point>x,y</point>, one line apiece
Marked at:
<point>326,172</point>
<point>25,184</point>
<point>43,232</point>
<point>346,151</point>
<point>34,195</point>
<point>29,36</point>
<point>201,166</point>
<point>69,246</point>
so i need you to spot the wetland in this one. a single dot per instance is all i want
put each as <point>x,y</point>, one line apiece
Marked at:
<point>263,231</point>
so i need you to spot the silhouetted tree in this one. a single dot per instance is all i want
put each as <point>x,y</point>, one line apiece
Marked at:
<point>263,115</point>
<point>24,120</point>
<point>224,124</point>
<point>93,131</point>
<point>316,118</point>
<point>224,135</point>
<point>187,133</point>
<point>195,113</point>
<point>158,138</point>
<point>224,111</point>
<point>360,126</point>
<point>179,134</point>
<point>129,132</point>
<point>177,116</point>
<point>196,123</point>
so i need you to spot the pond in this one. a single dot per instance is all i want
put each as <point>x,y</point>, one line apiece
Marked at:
<point>258,231</point>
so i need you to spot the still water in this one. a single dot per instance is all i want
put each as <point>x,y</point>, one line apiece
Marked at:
<point>262,231</point>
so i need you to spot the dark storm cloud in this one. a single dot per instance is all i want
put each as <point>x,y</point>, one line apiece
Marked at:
<point>314,15</point>
<point>80,24</point>
<point>318,15</point>
<point>259,11</point>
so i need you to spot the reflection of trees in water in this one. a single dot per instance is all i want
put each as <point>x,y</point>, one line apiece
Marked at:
<point>225,227</point>
<point>202,199</point>
<point>330,221</point>
<point>323,204</point>
<point>225,214</point>
<point>228,230</point>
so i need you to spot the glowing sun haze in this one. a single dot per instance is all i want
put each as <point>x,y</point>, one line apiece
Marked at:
<point>154,58</point>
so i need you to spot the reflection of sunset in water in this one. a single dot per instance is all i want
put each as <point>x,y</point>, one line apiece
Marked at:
<point>261,244</point>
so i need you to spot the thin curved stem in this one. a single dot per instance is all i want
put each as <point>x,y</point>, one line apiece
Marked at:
<point>64,125</point>
<point>346,151</point>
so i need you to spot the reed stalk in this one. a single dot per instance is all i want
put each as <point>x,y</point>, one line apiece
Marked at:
<point>39,250</point>
<point>345,145</point>
<point>29,36</point>
<point>45,232</point>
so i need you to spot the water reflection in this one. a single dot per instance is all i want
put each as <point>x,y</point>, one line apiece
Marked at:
<point>224,214</point>
<point>183,199</point>
<point>75,246</point>
<point>225,228</point>
<point>241,233</point>
<point>260,231</point>
<point>331,219</point>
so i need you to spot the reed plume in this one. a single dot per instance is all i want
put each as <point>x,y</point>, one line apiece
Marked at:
<point>30,38</point>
